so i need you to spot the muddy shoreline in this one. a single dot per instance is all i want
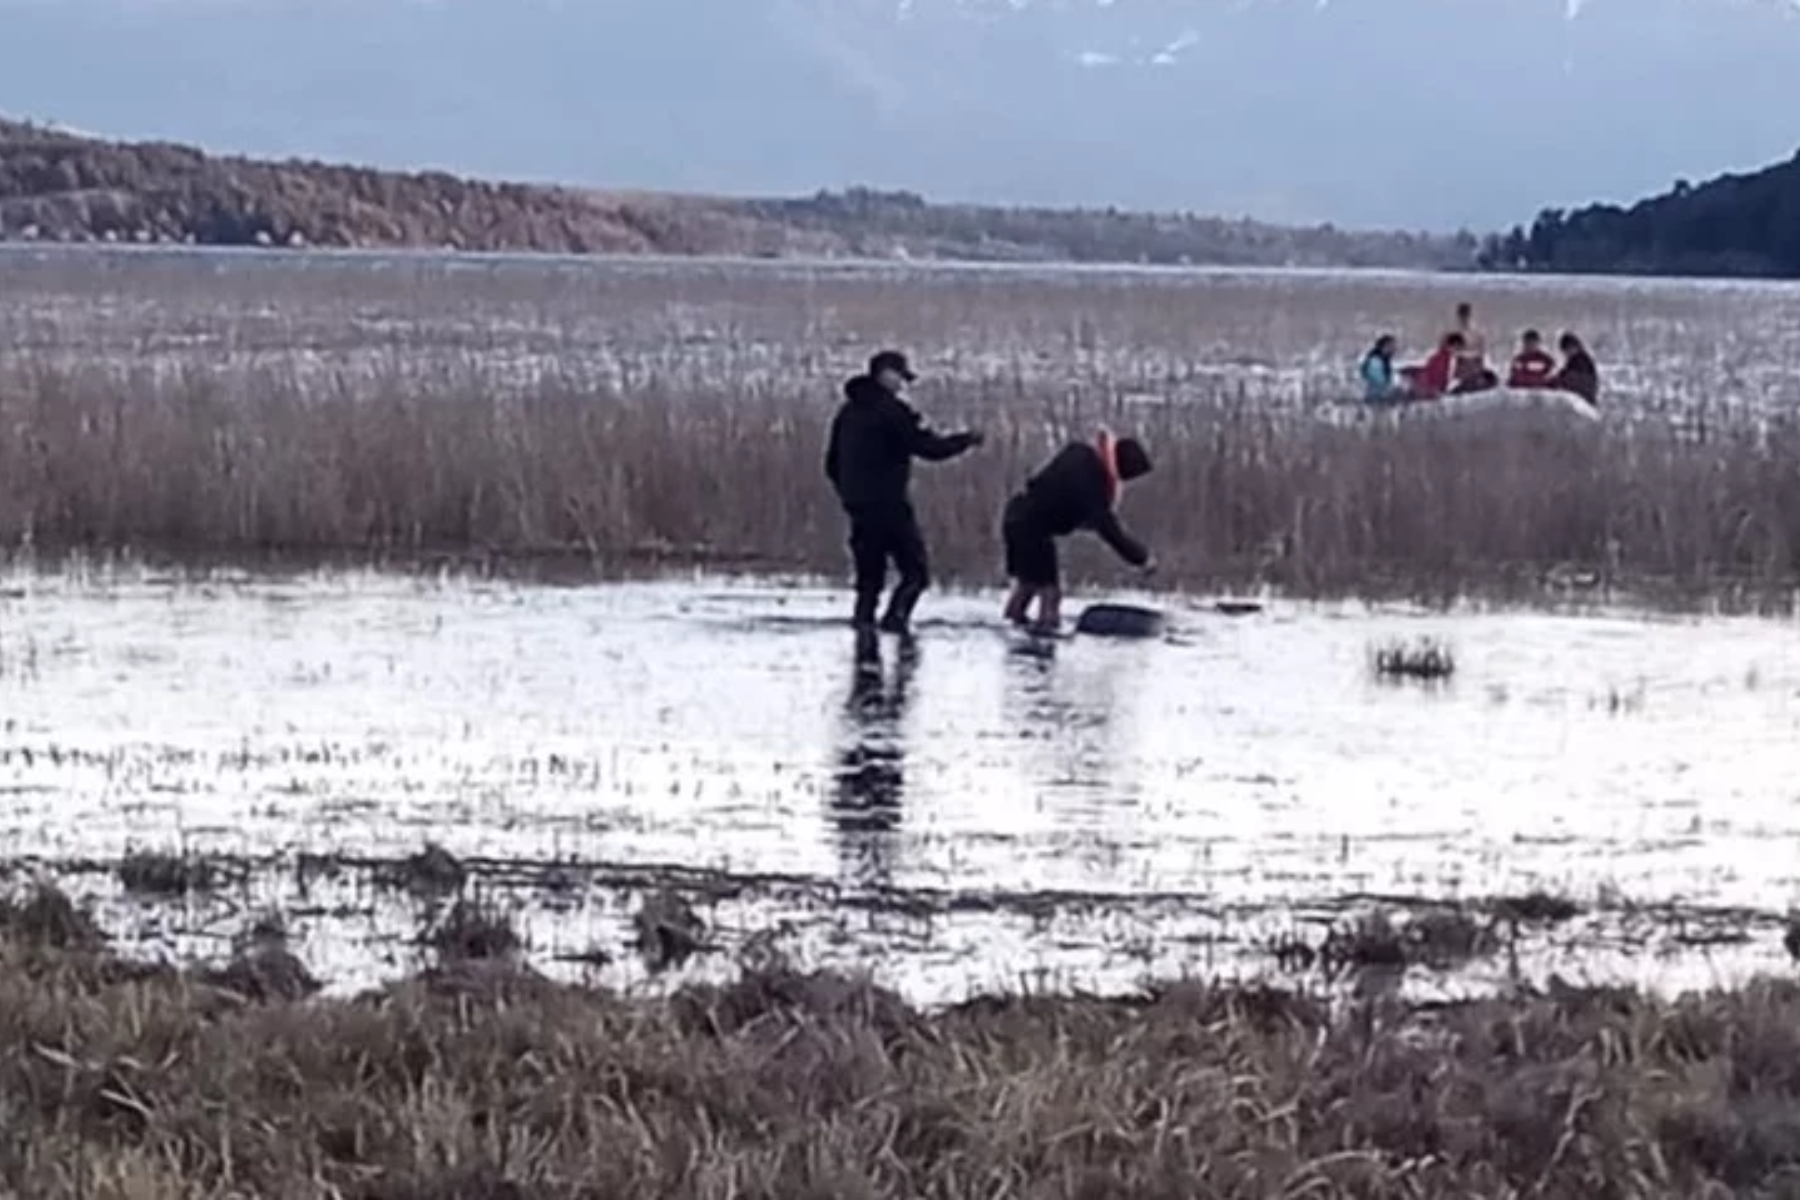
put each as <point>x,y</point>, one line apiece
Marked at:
<point>655,926</point>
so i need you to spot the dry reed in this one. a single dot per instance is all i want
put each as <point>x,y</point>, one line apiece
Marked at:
<point>214,406</point>
<point>480,1079</point>
<point>1240,495</point>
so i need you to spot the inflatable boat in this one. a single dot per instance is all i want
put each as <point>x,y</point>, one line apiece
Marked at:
<point>1500,400</point>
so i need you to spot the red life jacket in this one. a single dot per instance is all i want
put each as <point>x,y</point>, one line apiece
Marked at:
<point>1434,379</point>
<point>1531,369</point>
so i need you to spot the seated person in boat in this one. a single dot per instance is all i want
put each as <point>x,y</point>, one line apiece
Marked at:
<point>1533,365</point>
<point>1471,372</point>
<point>1077,489</point>
<point>1473,379</point>
<point>1438,373</point>
<point>1578,373</point>
<point>1377,370</point>
<point>1474,341</point>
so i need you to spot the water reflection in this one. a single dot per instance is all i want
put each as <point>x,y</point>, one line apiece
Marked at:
<point>1067,703</point>
<point>871,762</point>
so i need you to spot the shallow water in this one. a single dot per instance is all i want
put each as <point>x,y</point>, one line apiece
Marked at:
<point>1084,809</point>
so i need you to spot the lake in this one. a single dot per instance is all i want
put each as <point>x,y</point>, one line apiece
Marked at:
<point>980,809</point>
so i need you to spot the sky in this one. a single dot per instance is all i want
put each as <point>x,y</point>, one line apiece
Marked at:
<point>1426,114</point>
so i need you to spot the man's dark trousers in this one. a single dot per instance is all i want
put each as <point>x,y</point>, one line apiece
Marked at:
<point>880,534</point>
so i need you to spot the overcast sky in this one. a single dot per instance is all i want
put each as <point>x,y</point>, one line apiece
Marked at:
<point>1416,113</point>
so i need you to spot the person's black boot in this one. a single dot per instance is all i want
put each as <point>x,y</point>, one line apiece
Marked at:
<point>899,609</point>
<point>904,599</point>
<point>862,617</point>
<point>899,612</point>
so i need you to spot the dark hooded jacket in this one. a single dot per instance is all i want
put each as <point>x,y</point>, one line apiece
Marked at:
<point>874,438</point>
<point>1071,493</point>
<point>1580,376</point>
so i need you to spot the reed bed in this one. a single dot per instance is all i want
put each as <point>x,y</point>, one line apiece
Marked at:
<point>478,1078</point>
<point>241,406</point>
<point>405,465</point>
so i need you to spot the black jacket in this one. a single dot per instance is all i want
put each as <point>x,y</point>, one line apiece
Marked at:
<point>1070,494</point>
<point>874,438</point>
<point>1579,375</point>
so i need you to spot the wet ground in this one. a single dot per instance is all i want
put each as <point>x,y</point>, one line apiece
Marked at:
<point>979,809</point>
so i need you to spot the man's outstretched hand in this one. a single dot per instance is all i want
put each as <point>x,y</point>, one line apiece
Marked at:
<point>1149,567</point>
<point>975,436</point>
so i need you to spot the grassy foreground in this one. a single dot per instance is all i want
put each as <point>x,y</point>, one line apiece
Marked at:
<point>455,462</point>
<point>480,1079</point>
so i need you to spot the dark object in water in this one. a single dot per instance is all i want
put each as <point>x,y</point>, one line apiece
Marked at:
<point>1120,620</point>
<point>1427,661</point>
<point>1236,608</point>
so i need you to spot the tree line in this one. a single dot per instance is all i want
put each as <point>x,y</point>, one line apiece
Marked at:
<point>57,186</point>
<point>1736,225</point>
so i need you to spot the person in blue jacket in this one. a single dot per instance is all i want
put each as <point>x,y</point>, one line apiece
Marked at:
<point>1377,371</point>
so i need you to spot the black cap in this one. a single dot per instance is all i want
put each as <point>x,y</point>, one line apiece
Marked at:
<point>892,360</point>
<point>1133,460</point>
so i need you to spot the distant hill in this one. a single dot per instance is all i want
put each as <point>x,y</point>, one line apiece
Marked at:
<point>60,186</point>
<point>1745,225</point>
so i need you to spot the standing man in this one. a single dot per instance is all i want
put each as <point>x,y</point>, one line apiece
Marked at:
<point>874,438</point>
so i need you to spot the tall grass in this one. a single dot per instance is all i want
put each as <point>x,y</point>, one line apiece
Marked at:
<point>231,406</point>
<point>454,462</point>
<point>480,1079</point>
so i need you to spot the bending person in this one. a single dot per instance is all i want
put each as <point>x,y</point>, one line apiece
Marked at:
<point>1077,489</point>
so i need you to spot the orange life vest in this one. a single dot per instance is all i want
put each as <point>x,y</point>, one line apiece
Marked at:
<point>1108,446</point>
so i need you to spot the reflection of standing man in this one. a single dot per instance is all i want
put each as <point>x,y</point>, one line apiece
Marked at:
<point>871,764</point>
